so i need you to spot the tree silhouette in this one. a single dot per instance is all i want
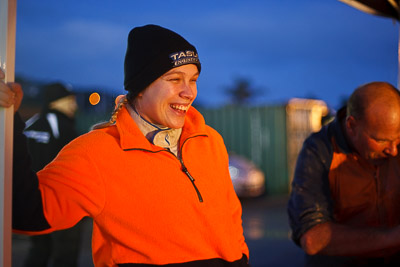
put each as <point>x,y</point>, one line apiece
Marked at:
<point>242,91</point>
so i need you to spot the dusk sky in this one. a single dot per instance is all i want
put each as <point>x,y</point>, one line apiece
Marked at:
<point>286,48</point>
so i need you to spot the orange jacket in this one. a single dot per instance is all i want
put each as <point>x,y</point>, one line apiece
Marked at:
<point>363,195</point>
<point>145,209</point>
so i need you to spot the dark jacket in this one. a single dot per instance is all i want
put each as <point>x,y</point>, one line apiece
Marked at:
<point>47,133</point>
<point>333,183</point>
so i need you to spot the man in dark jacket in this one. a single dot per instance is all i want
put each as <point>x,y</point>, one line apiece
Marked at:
<point>47,133</point>
<point>344,208</point>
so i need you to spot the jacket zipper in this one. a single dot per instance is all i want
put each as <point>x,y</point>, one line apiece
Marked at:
<point>378,195</point>
<point>184,169</point>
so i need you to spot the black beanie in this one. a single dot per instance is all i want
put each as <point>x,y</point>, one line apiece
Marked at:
<point>53,92</point>
<point>152,51</point>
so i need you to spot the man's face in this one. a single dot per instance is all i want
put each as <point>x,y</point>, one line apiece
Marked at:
<point>66,105</point>
<point>376,138</point>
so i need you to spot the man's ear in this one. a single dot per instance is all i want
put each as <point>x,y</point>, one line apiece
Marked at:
<point>351,125</point>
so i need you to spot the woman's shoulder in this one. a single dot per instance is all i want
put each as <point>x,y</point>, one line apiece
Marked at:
<point>95,138</point>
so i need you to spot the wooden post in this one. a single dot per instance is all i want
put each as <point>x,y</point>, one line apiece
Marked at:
<point>7,60</point>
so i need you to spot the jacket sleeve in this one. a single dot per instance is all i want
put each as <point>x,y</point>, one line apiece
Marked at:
<point>236,206</point>
<point>310,201</point>
<point>72,185</point>
<point>27,208</point>
<point>62,193</point>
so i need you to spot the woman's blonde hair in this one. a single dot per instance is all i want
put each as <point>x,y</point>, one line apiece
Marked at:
<point>120,103</point>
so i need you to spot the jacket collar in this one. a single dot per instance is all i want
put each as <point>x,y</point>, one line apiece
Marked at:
<point>157,135</point>
<point>132,138</point>
<point>194,125</point>
<point>338,131</point>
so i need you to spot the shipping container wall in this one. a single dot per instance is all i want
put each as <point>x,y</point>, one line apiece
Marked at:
<point>259,134</point>
<point>270,136</point>
<point>274,157</point>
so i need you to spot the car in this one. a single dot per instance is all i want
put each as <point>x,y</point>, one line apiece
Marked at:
<point>248,180</point>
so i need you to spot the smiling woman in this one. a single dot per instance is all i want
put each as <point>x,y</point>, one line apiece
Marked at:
<point>155,161</point>
<point>167,99</point>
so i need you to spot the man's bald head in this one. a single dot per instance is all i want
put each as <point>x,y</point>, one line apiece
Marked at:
<point>372,96</point>
<point>373,121</point>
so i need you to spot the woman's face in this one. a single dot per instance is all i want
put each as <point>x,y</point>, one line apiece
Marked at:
<point>166,100</point>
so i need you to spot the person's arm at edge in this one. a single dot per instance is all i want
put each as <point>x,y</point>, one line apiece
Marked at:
<point>310,203</point>
<point>27,201</point>
<point>10,93</point>
<point>335,239</point>
<point>27,208</point>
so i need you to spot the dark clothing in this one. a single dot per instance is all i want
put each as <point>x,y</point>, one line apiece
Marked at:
<point>47,133</point>
<point>60,248</point>
<point>333,183</point>
<point>215,262</point>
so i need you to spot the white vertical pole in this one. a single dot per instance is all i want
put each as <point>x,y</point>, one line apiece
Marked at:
<point>7,60</point>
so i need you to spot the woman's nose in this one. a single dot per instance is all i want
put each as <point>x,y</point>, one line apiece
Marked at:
<point>188,91</point>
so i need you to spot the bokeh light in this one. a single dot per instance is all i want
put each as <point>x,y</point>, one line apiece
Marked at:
<point>94,98</point>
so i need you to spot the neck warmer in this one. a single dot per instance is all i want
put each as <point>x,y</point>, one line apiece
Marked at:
<point>158,135</point>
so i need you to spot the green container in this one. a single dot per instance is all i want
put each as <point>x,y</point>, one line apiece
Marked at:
<point>270,136</point>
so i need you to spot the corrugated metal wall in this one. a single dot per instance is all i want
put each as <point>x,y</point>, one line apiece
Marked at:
<point>270,136</point>
<point>259,134</point>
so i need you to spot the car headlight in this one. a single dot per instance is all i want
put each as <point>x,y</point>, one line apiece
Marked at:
<point>234,172</point>
<point>255,177</point>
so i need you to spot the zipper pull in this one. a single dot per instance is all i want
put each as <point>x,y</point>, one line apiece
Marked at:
<point>185,170</point>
